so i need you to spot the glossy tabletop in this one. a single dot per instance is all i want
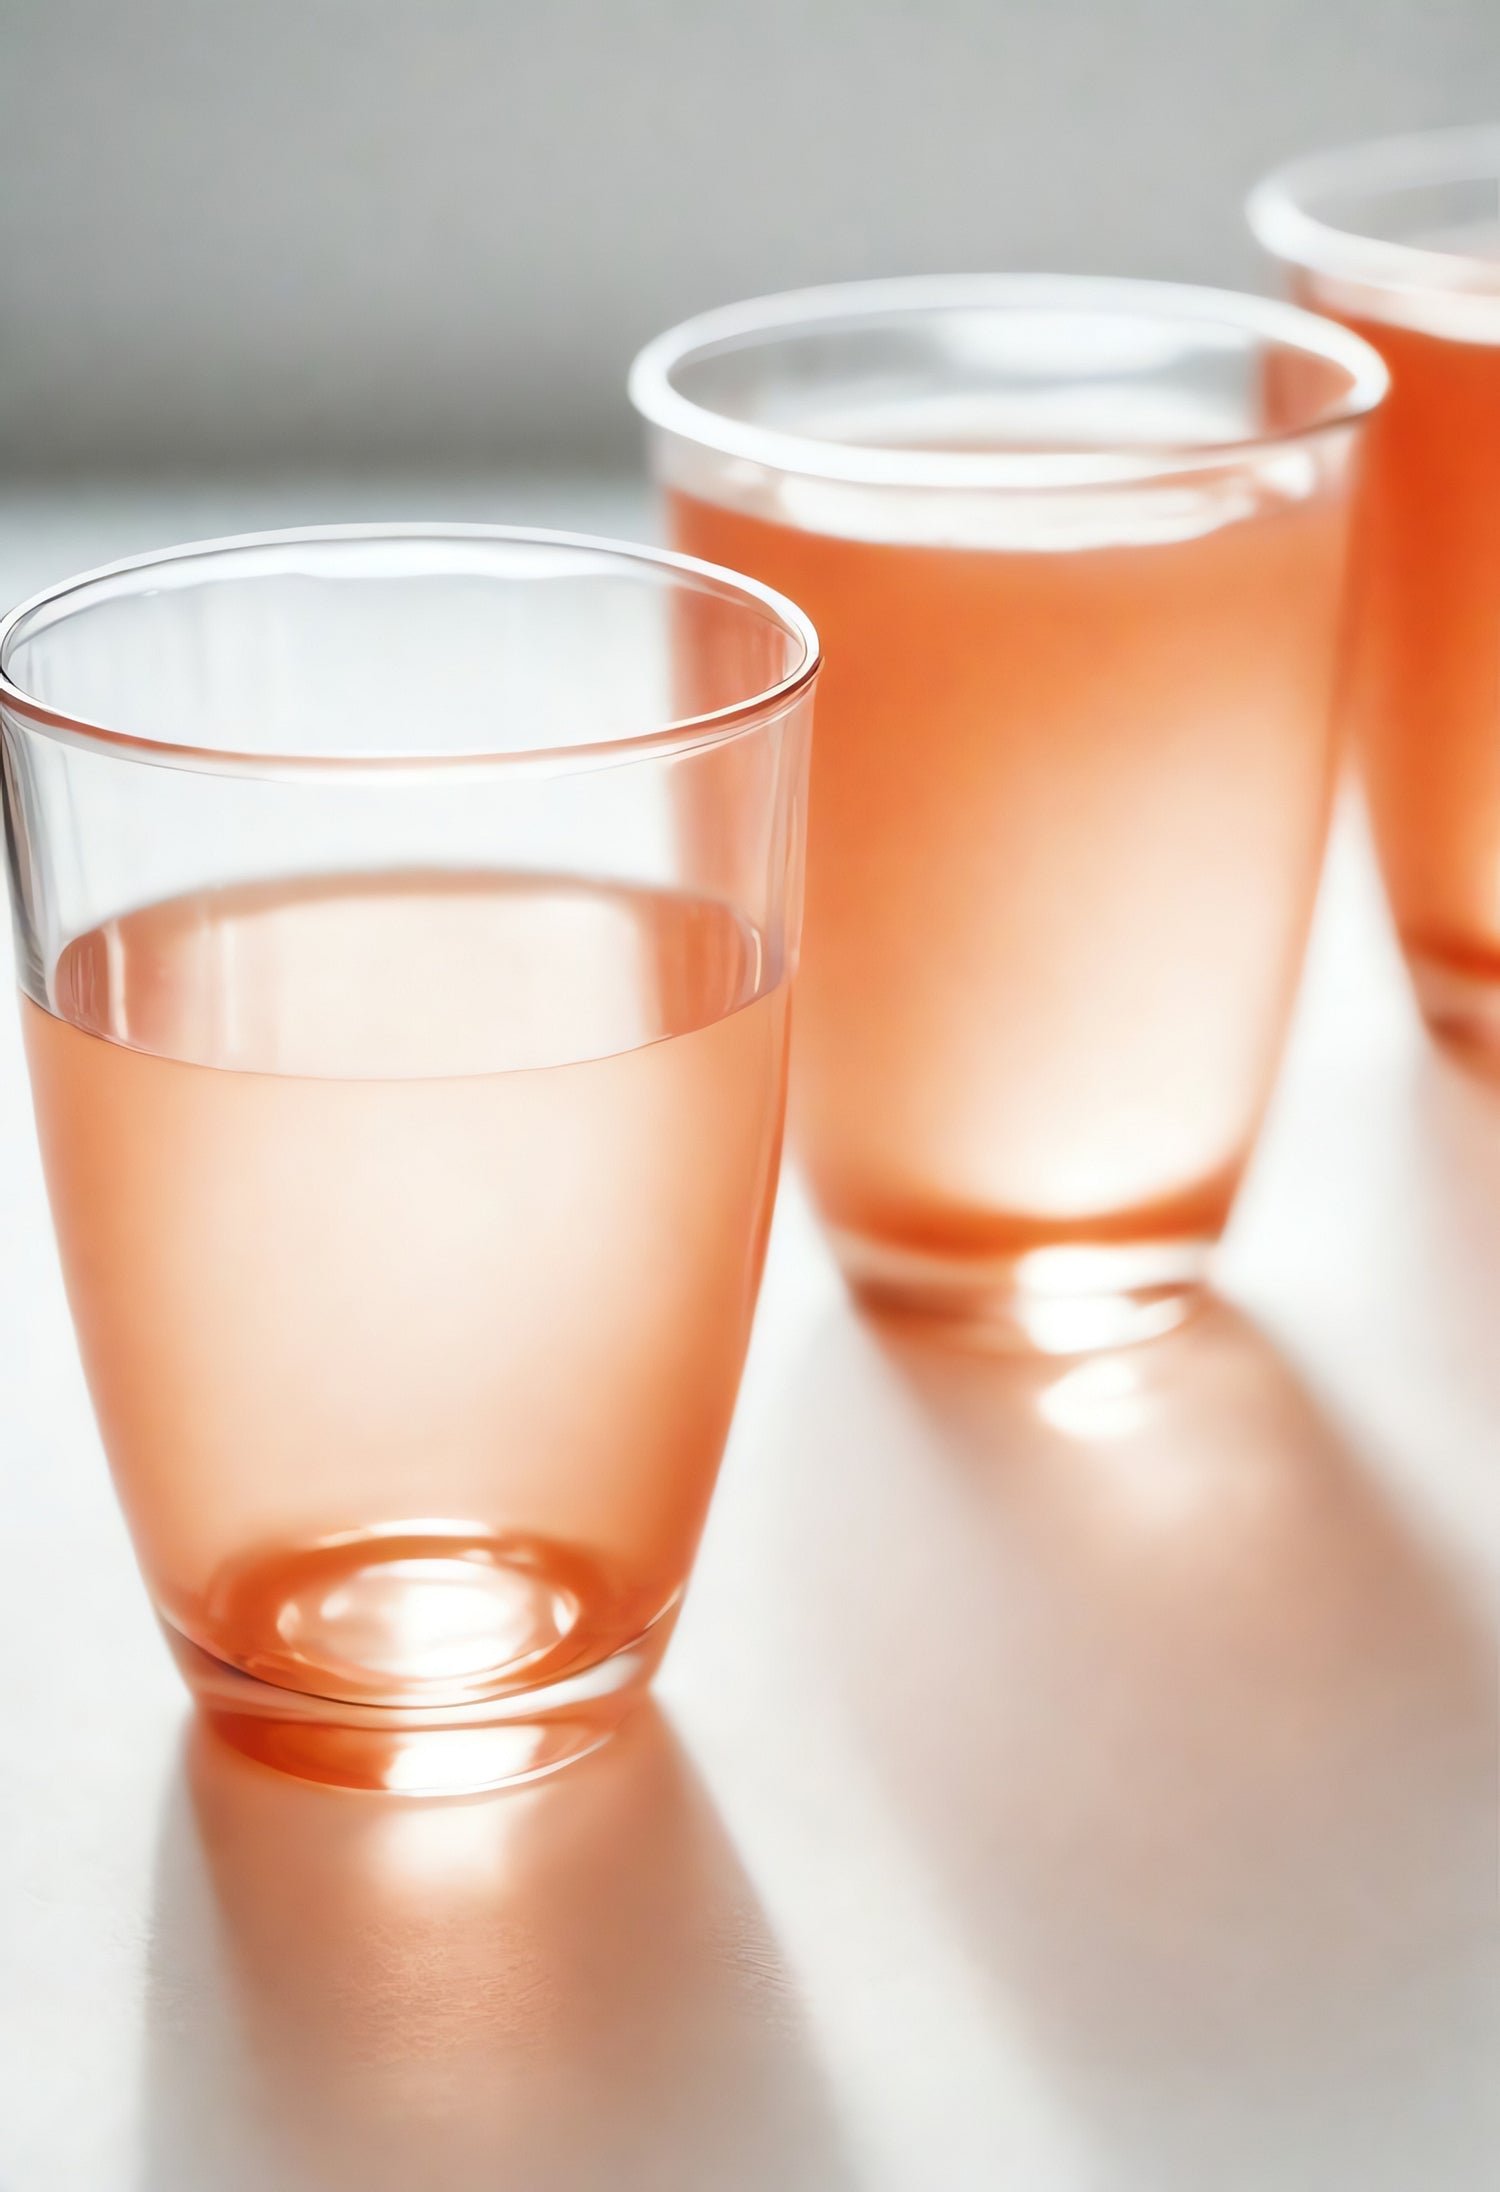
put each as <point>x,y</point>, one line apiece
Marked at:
<point>1075,1776</point>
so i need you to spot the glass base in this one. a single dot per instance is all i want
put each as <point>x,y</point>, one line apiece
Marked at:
<point>1462,1009</point>
<point>422,1750</point>
<point>1071,1299</point>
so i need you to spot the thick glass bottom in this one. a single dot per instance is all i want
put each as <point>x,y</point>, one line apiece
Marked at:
<point>420,1662</point>
<point>1461,1006</point>
<point>1064,1300</point>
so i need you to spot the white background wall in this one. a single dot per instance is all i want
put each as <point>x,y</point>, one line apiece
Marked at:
<point>415,230</point>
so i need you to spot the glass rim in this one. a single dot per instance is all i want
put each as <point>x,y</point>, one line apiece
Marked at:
<point>737,326</point>
<point>1279,213</point>
<point>678,734</point>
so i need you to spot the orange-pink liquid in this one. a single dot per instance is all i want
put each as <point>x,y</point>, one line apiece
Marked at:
<point>412,1228</point>
<point>1066,819</point>
<point>1426,695</point>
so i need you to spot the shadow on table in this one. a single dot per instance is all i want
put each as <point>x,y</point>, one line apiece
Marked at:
<point>564,1985</point>
<point>1196,1740</point>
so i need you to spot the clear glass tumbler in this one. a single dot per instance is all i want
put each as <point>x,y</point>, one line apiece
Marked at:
<point>1076,550</point>
<point>1401,241</point>
<point>409,1075</point>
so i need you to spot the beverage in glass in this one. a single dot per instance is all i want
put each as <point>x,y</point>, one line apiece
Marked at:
<point>1400,240</point>
<point>409,1086</point>
<point>1076,550</point>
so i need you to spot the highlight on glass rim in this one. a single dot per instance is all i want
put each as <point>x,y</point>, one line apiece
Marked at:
<point>750,1150</point>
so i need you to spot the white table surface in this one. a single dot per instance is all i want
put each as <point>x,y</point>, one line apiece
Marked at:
<point>1071,1777</point>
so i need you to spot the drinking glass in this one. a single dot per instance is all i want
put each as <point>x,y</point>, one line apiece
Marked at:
<point>1076,549</point>
<point>409,1083</point>
<point>1400,241</point>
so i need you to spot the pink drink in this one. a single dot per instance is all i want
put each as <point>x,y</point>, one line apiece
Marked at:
<point>1398,239</point>
<point>1426,688</point>
<point>412,1227</point>
<point>1077,553</point>
<point>1067,818</point>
